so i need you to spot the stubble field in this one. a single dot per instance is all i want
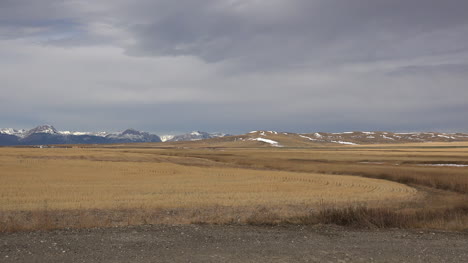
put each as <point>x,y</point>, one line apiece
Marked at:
<point>422,186</point>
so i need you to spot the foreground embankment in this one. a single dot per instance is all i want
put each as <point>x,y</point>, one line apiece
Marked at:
<point>210,243</point>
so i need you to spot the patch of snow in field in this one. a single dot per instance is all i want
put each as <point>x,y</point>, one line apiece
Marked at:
<point>253,132</point>
<point>273,132</point>
<point>347,143</point>
<point>445,164</point>
<point>318,135</point>
<point>388,138</point>
<point>368,133</point>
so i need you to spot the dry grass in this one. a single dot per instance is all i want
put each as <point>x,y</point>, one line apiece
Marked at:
<point>361,216</point>
<point>113,186</point>
<point>397,163</point>
<point>356,216</point>
<point>32,184</point>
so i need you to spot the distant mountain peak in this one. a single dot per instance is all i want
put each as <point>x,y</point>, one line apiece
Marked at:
<point>193,136</point>
<point>165,138</point>
<point>14,132</point>
<point>132,135</point>
<point>47,134</point>
<point>43,129</point>
<point>131,132</point>
<point>197,133</point>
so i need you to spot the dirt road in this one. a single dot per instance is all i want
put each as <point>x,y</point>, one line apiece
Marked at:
<point>206,243</point>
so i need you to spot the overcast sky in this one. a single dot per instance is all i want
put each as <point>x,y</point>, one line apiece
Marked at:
<point>234,65</point>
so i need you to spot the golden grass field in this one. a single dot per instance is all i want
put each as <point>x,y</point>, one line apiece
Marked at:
<point>161,183</point>
<point>31,183</point>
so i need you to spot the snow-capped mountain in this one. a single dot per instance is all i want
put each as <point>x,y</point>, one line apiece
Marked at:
<point>165,138</point>
<point>46,129</point>
<point>131,135</point>
<point>11,131</point>
<point>193,136</point>
<point>47,134</point>
<point>100,134</point>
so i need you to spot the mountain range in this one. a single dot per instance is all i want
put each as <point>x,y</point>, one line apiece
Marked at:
<point>193,136</point>
<point>318,139</point>
<point>47,134</point>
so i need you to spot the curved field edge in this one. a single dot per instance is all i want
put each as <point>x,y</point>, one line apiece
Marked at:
<point>440,209</point>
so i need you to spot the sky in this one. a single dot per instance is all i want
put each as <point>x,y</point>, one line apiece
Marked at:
<point>234,66</point>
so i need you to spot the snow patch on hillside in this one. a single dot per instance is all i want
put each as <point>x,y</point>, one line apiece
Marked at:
<point>271,142</point>
<point>347,143</point>
<point>445,136</point>
<point>445,164</point>
<point>308,138</point>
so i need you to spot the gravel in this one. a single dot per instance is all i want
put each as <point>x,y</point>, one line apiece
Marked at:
<point>211,243</point>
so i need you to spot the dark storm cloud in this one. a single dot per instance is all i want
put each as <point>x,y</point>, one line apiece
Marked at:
<point>304,31</point>
<point>235,65</point>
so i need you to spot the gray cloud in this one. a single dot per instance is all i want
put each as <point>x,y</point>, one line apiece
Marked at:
<point>235,65</point>
<point>303,31</point>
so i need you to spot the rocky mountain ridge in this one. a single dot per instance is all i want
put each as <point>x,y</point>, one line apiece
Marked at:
<point>193,136</point>
<point>47,134</point>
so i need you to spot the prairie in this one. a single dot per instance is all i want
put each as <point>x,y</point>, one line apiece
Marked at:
<point>376,186</point>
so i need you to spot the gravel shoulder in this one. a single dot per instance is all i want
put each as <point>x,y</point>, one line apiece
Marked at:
<point>211,243</point>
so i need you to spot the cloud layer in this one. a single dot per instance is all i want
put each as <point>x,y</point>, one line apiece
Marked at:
<point>235,65</point>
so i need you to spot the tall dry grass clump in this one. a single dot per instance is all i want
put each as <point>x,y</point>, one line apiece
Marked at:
<point>455,218</point>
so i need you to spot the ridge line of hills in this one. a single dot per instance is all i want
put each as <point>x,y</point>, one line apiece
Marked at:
<point>47,134</point>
